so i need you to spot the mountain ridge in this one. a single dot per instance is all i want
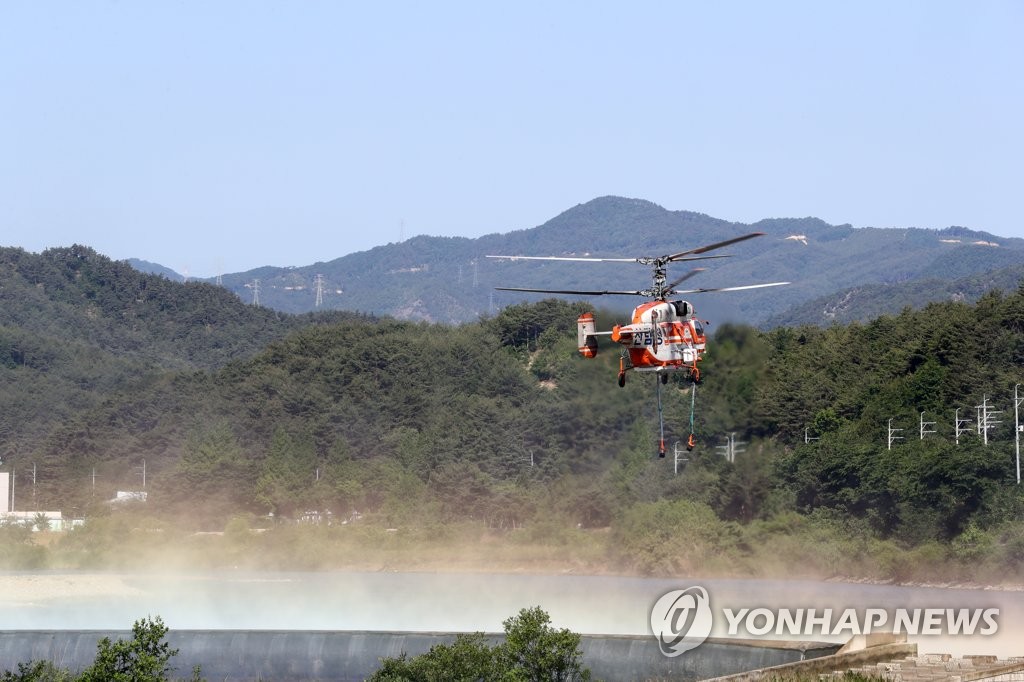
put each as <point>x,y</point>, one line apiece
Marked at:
<point>448,279</point>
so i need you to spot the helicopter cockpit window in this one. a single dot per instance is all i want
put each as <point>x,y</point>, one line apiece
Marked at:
<point>699,327</point>
<point>681,308</point>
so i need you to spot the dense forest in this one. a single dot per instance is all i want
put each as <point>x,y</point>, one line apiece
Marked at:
<point>417,435</point>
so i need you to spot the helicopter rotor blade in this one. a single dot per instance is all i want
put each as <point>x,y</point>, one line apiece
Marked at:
<point>712,247</point>
<point>691,273</point>
<point>581,259</point>
<point>567,258</point>
<point>742,288</point>
<point>570,291</point>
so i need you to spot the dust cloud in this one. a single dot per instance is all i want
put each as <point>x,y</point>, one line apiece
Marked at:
<point>451,601</point>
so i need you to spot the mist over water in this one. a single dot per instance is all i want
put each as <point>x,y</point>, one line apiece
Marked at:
<point>454,602</point>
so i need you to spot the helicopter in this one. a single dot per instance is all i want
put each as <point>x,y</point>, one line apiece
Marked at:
<point>663,336</point>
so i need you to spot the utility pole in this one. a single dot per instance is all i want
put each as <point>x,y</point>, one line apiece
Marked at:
<point>925,427</point>
<point>731,448</point>
<point>985,418</point>
<point>808,438</point>
<point>1017,426</point>
<point>892,435</point>
<point>33,486</point>
<point>677,459</point>
<point>960,427</point>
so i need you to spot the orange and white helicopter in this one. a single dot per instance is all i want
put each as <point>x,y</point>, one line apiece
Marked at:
<point>663,336</point>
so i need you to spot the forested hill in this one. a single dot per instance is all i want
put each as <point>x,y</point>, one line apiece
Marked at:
<point>76,296</point>
<point>866,302</point>
<point>500,422</point>
<point>76,327</point>
<point>450,280</point>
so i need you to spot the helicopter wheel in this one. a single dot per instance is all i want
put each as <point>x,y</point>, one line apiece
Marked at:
<point>622,379</point>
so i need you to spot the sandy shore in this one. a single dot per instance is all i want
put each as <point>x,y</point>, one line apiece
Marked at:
<point>29,589</point>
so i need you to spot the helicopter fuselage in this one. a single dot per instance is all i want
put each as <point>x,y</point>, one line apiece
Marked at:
<point>662,336</point>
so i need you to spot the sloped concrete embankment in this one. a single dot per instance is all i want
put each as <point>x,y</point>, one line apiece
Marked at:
<point>344,656</point>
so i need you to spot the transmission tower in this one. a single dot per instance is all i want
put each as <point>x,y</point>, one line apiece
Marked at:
<point>255,286</point>
<point>319,283</point>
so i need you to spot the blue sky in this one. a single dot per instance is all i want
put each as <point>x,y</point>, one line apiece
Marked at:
<point>222,136</point>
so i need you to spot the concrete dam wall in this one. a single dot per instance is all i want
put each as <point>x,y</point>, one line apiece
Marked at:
<point>344,656</point>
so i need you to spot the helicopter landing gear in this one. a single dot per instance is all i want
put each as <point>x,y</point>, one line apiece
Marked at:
<point>622,371</point>
<point>691,443</point>
<point>664,378</point>
<point>695,374</point>
<point>622,379</point>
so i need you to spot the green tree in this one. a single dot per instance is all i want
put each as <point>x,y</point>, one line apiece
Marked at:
<point>143,658</point>
<point>467,659</point>
<point>533,651</point>
<point>37,671</point>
